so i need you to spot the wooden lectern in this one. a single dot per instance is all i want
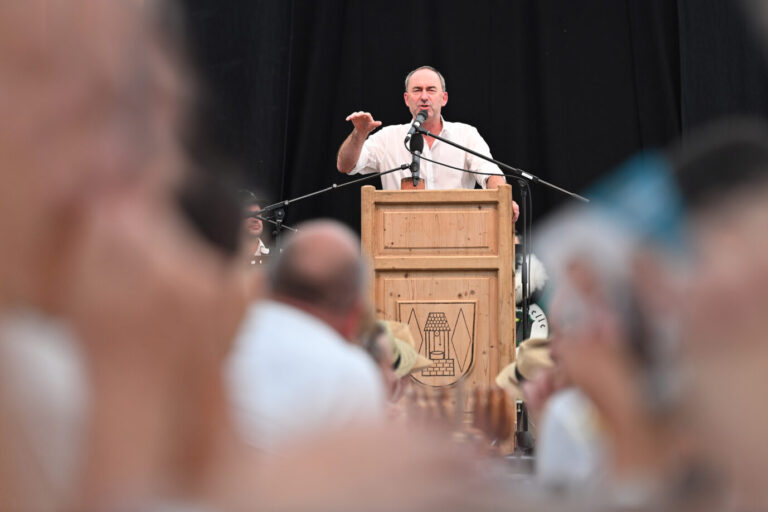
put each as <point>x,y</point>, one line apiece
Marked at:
<point>443,263</point>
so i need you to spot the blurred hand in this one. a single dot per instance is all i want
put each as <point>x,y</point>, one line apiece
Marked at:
<point>140,276</point>
<point>595,357</point>
<point>155,310</point>
<point>537,391</point>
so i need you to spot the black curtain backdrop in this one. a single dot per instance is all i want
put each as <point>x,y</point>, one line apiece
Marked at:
<point>564,89</point>
<point>723,69</point>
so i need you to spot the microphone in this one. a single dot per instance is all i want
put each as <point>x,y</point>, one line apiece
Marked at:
<point>420,118</point>
<point>416,146</point>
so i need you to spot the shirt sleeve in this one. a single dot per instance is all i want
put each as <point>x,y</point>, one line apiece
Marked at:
<point>370,156</point>
<point>476,143</point>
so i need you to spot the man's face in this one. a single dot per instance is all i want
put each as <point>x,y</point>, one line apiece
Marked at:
<point>253,226</point>
<point>425,92</point>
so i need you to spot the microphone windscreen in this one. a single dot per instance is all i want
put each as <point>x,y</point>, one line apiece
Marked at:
<point>422,115</point>
<point>417,143</point>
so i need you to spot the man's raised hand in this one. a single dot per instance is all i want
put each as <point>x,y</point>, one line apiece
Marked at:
<point>363,122</point>
<point>350,149</point>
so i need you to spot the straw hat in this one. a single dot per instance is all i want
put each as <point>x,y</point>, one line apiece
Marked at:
<point>532,356</point>
<point>407,360</point>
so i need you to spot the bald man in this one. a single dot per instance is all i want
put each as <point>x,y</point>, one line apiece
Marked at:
<point>295,370</point>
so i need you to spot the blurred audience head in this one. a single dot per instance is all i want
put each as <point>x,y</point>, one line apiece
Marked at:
<point>722,171</point>
<point>90,104</point>
<point>105,224</point>
<point>321,271</point>
<point>719,162</point>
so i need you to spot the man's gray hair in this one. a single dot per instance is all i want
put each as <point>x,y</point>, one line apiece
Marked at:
<point>408,76</point>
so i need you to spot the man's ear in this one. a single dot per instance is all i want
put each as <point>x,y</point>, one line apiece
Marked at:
<point>445,98</point>
<point>351,321</point>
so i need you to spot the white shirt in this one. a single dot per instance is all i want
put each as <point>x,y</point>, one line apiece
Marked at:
<point>44,384</point>
<point>291,375</point>
<point>261,249</point>
<point>385,150</point>
<point>569,451</point>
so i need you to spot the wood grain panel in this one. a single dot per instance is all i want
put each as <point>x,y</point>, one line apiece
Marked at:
<point>459,229</point>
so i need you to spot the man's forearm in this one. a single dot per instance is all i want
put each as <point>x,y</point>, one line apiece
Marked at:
<point>349,152</point>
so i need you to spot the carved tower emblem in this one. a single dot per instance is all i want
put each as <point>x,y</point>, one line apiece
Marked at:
<point>445,334</point>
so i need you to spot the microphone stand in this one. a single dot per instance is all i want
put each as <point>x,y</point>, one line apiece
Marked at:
<point>527,205</point>
<point>279,207</point>
<point>279,227</point>
<point>277,223</point>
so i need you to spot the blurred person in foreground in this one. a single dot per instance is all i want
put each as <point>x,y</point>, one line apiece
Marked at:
<point>722,172</point>
<point>113,308</point>
<point>684,422</point>
<point>610,315</point>
<point>689,425</point>
<point>296,371</point>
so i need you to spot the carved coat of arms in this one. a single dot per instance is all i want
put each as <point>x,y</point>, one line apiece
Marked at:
<point>445,334</point>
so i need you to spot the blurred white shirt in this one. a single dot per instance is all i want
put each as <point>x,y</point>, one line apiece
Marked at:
<point>291,376</point>
<point>261,249</point>
<point>384,150</point>
<point>570,451</point>
<point>44,385</point>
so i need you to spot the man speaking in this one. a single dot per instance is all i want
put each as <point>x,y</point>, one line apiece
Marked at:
<point>424,91</point>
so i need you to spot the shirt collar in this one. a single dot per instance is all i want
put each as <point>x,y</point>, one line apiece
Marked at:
<point>446,126</point>
<point>262,249</point>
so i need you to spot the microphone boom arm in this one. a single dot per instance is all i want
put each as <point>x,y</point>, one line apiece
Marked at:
<point>334,186</point>
<point>514,170</point>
